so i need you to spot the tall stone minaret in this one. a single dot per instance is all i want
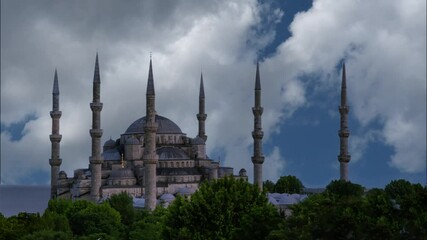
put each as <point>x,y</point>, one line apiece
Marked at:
<point>257,134</point>
<point>202,115</point>
<point>150,156</point>
<point>55,138</point>
<point>96,133</point>
<point>344,133</point>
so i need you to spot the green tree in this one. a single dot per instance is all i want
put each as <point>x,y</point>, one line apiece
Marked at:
<point>59,205</point>
<point>123,204</point>
<point>48,235</point>
<point>341,188</point>
<point>288,184</point>
<point>221,209</point>
<point>268,186</point>
<point>149,225</point>
<point>87,218</point>
<point>56,222</point>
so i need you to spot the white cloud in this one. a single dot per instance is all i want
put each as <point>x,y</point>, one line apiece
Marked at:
<point>218,38</point>
<point>274,165</point>
<point>359,144</point>
<point>384,44</point>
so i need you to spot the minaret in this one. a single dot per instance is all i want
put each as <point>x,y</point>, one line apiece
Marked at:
<point>96,134</point>
<point>344,133</point>
<point>55,138</point>
<point>150,156</point>
<point>202,115</point>
<point>257,134</point>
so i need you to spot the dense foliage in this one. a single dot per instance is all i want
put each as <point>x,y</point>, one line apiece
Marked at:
<point>222,209</point>
<point>344,211</point>
<point>285,184</point>
<point>234,209</point>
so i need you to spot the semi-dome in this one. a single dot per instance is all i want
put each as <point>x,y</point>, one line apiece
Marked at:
<point>132,141</point>
<point>166,126</point>
<point>169,153</point>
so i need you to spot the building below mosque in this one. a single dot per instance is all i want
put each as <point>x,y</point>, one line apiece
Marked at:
<point>123,165</point>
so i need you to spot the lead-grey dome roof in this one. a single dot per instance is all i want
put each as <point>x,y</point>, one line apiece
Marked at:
<point>122,173</point>
<point>166,126</point>
<point>171,153</point>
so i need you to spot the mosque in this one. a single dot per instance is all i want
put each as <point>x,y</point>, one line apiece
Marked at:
<point>153,159</point>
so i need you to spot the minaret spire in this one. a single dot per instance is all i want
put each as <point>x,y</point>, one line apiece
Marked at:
<point>344,132</point>
<point>257,134</point>
<point>55,138</point>
<point>202,115</point>
<point>95,159</point>
<point>150,82</point>
<point>150,156</point>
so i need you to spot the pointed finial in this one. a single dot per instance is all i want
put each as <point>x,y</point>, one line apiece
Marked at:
<point>55,84</point>
<point>343,87</point>
<point>123,162</point>
<point>150,83</point>
<point>96,77</point>
<point>202,88</point>
<point>257,78</point>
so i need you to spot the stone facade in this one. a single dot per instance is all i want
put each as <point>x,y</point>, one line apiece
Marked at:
<point>151,158</point>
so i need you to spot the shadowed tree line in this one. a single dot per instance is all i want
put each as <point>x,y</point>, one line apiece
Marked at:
<point>234,209</point>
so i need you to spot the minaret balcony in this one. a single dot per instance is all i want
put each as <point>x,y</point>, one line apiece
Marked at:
<point>258,159</point>
<point>55,137</point>
<point>96,106</point>
<point>95,159</point>
<point>150,158</point>
<point>55,114</point>
<point>96,133</point>
<point>257,134</point>
<point>202,116</point>
<point>344,158</point>
<point>344,133</point>
<point>55,161</point>
<point>344,109</point>
<point>257,111</point>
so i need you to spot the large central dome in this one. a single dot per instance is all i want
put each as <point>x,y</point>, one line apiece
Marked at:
<point>166,126</point>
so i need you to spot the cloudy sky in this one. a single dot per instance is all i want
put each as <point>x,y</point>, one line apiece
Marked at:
<point>300,44</point>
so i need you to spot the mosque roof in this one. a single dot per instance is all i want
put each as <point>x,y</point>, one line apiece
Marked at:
<point>122,173</point>
<point>110,143</point>
<point>166,126</point>
<point>111,154</point>
<point>170,153</point>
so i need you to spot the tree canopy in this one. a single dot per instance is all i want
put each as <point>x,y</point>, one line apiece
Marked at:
<point>222,209</point>
<point>235,209</point>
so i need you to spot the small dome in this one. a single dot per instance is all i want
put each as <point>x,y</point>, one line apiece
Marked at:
<point>122,173</point>
<point>62,175</point>
<point>167,197</point>
<point>132,141</point>
<point>110,143</point>
<point>242,172</point>
<point>165,126</point>
<point>197,141</point>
